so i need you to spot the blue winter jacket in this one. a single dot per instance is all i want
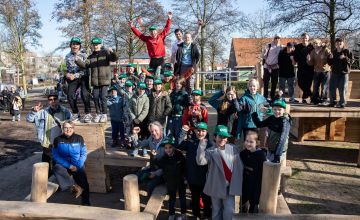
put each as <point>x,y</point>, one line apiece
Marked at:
<point>115,105</point>
<point>249,104</point>
<point>69,151</point>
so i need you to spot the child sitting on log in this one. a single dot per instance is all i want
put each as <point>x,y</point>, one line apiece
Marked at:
<point>253,158</point>
<point>279,127</point>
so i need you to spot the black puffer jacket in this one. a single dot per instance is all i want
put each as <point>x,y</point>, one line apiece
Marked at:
<point>173,168</point>
<point>160,107</point>
<point>99,64</point>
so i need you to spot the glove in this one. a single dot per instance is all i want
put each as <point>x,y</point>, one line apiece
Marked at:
<point>276,159</point>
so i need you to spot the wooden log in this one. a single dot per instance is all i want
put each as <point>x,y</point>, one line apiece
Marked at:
<point>39,182</point>
<point>282,207</point>
<point>51,189</point>
<point>131,193</point>
<point>286,172</point>
<point>156,200</point>
<point>269,187</point>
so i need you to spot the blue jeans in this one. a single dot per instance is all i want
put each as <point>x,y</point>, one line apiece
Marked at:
<point>174,127</point>
<point>290,84</point>
<point>340,82</point>
<point>320,87</point>
<point>116,127</point>
<point>223,209</point>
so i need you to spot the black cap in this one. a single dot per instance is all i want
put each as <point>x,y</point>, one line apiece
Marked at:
<point>290,44</point>
<point>339,39</point>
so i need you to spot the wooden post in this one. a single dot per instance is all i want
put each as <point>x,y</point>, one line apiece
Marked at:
<point>39,182</point>
<point>269,187</point>
<point>131,193</point>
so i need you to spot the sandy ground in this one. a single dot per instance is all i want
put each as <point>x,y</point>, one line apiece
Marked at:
<point>325,180</point>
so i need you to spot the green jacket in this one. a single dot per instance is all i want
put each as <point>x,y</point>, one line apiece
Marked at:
<point>139,107</point>
<point>99,64</point>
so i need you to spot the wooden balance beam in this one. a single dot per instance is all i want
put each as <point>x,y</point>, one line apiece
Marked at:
<point>14,210</point>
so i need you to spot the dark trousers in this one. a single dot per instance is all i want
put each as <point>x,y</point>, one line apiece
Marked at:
<point>150,183</point>
<point>181,189</point>
<point>116,127</point>
<point>274,77</point>
<point>47,158</point>
<point>74,85</point>
<point>100,93</point>
<point>174,127</point>
<point>81,179</point>
<point>155,62</point>
<point>196,192</point>
<point>254,207</point>
<point>305,79</point>
<point>320,87</point>
<point>340,82</point>
<point>23,103</point>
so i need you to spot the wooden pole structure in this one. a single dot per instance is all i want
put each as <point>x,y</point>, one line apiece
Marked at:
<point>131,193</point>
<point>39,182</point>
<point>269,187</point>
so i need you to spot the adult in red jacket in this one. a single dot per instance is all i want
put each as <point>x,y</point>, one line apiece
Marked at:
<point>155,42</point>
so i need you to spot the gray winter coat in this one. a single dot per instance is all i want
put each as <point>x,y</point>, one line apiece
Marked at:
<point>215,185</point>
<point>139,107</point>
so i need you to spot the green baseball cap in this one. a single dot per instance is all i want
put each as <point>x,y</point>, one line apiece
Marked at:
<point>149,77</point>
<point>269,111</point>
<point>130,65</point>
<point>123,76</point>
<point>96,40</point>
<point>202,126</point>
<point>169,140</point>
<point>168,73</point>
<point>129,83</point>
<point>112,88</point>
<point>279,102</point>
<point>196,92</point>
<point>75,40</point>
<point>158,82</point>
<point>222,131</point>
<point>141,85</point>
<point>151,70</point>
<point>152,27</point>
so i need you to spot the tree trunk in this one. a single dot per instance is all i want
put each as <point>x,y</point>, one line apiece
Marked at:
<point>131,40</point>
<point>86,27</point>
<point>24,84</point>
<point>332,26</point>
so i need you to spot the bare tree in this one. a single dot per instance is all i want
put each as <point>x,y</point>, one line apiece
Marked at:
<point>328,18</point>
<point>78,16</point>
<point>113,17</point>
<point>20,22</point>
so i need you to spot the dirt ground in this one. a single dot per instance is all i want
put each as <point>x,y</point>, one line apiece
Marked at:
<point>325,177</point>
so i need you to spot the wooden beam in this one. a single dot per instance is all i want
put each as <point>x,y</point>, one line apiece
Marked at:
<point>156,201</point>
<point>116,159</point>
<point>51,190</point>
<point>14,210</point>
<point>39,182</point>
<point>282,207</point>
<point>269,187</point>
<point>131,193</point>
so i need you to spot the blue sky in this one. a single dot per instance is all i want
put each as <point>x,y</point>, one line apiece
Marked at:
<point>51,37</point>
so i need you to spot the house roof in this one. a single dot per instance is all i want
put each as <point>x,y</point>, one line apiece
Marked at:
<point>247,51</point>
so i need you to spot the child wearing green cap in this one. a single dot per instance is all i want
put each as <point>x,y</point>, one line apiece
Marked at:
<point>196,174</point>
<point>225,174</point>
<point>196,112</point>
<point>278,126</point>
<point>99,64</point>
<point>173,168</point>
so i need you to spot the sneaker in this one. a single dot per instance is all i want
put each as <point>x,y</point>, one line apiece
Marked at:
<point>340,105</point>
<point>76,190</point>
<point>181,217</point>
<point>171,217</point>
<point>134,152</point>
<point>293,101</point>
<point>103,118</point>
<point>97,118</point>
<point>87,118</point>
<point>13,118</point>
<point>332,104</point>
<point>304,101</point>
<point>75,117</point>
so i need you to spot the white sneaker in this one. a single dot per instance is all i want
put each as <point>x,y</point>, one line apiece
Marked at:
<point>103,118</point>
<point>87,118</point>
<point>75,117</point>
<point>97,118</point>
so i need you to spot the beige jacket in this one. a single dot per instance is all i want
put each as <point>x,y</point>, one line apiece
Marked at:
<point>319,60</point>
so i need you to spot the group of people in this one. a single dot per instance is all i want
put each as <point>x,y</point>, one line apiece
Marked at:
<point>317,66</point>
<point>158,113</point>
<point>13,101</point>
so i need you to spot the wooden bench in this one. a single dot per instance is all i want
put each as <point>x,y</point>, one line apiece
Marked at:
<point>156,201</point>
<point>286,173</point>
